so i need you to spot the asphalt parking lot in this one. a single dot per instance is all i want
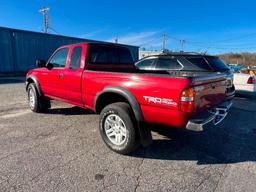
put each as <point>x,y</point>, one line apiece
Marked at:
<point>61,150</point>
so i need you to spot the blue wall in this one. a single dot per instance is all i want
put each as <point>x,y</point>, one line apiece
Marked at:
<point>20,49</point>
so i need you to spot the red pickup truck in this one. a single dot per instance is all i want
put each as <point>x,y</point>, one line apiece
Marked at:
<point>104,78</point>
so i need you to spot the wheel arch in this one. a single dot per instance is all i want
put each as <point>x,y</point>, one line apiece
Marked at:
<point>112,94</point>
<point>33,79</point>
<point>144,131</point>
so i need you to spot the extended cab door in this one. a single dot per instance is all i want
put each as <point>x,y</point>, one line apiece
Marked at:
<point>73,74</point>
<point>53,83</point>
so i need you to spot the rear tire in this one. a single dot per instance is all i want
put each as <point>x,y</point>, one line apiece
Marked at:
<point>118,128</point>
<point>36,103</point>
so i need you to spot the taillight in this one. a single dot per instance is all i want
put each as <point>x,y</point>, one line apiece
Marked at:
<point>251,80</point>
<point>187,100</point>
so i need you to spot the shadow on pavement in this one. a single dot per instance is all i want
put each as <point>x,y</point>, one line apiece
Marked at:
<point>232,142</point>
<point>11,80</point>
<point>247,95</point>
<point>69,111</point>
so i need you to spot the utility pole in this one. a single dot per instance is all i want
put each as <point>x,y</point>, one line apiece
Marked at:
<point>45,11</point>
<point>116,39</point>
<point>163,43</point>
<point>182,42</point>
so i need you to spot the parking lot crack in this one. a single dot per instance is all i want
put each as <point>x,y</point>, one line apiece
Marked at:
<point>221,176</point>
<point>203,181</point>
<point>138,178</point>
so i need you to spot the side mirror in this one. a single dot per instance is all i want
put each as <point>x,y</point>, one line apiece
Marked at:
<point>49,66</point>
<point>40,63</point>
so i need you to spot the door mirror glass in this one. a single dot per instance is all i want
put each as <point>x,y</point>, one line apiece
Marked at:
<point>49,66</point>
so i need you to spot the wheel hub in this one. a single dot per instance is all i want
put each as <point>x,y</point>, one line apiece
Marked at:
<point>31,96</point>
<point>115,129</point>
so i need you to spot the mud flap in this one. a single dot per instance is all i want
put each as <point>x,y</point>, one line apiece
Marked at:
<point>145,135</point>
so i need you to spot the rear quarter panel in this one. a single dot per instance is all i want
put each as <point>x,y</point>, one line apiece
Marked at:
<point>144,88</point>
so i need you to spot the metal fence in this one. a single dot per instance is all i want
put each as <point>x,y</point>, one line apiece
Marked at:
<point>19,49</point>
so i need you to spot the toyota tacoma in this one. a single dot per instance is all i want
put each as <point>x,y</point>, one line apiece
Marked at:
<point>175,89</point>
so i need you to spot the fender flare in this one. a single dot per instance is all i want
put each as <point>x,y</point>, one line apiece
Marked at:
<point>145,132</point>
<point>127,95</point>
<point>35,80</point>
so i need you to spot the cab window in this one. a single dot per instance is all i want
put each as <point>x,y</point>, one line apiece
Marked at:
<point>76,58</point>
<point>100,54</point>
<point>59,59</point>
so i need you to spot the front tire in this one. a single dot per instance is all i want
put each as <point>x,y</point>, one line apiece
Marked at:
<point>118,128</point>
<point>36,103</point>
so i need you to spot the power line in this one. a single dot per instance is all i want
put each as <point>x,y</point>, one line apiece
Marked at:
<point>222,45</point>
<point>222,48</point>
<point>235,38</point>
<point>54,30</point>
<point>211,45</point>
<point>226,40</point>
<point>218,45</point>
<point>160,39</point>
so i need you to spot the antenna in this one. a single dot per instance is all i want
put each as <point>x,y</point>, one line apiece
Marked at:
<point>182,42</point>
<point>45,11</point>
<point>163,43</point>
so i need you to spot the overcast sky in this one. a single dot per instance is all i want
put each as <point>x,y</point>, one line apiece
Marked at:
<point>214,26</point>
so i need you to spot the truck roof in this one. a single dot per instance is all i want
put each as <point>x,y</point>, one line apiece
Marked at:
<point>97,43</point>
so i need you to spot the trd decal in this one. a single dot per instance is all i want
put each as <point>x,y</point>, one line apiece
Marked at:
<point>162,101</point>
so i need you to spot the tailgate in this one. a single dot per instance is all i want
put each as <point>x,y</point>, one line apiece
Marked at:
<point>209,91</point>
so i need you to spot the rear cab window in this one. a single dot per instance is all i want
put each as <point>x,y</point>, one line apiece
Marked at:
<point>125,56</point>
<point>104,54</point>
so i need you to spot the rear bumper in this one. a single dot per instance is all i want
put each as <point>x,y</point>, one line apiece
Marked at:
<point>230,93</point>
<point>214,115</point>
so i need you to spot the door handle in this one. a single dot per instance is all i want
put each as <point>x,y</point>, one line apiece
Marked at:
<point>61,75</point>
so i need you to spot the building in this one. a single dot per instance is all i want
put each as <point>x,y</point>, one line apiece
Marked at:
<point>143,54</point>
<point>20,49</point>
